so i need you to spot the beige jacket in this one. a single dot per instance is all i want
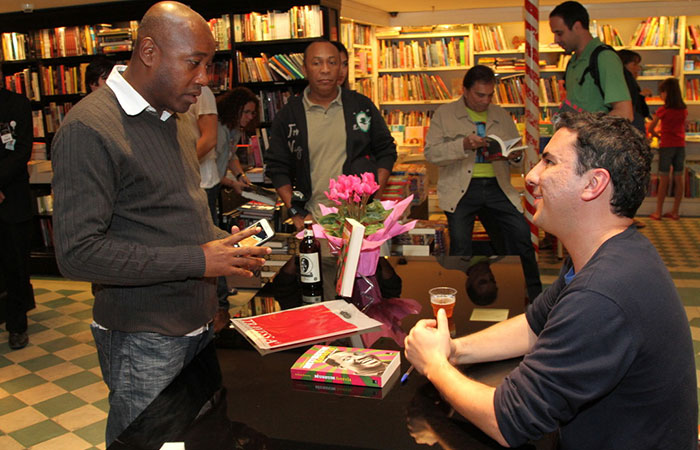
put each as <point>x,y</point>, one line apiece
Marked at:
<point>444,148</point>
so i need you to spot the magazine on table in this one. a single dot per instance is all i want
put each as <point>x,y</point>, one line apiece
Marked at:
<point>305,325</point>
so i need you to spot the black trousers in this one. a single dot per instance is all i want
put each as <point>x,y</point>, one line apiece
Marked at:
<point>15,241</point>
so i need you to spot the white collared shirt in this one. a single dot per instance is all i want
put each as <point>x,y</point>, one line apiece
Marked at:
<point>129,99</point>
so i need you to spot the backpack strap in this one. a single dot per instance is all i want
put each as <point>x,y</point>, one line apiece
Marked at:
<point>593,67</point>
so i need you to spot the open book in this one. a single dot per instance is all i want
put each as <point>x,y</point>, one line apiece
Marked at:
<point>260,194</point>
<point>305,325</point>
<point>498,148</point>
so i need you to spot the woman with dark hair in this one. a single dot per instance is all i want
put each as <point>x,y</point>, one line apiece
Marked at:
<point>238,118</point>
<point>344,57</point>
<point>673,115</point>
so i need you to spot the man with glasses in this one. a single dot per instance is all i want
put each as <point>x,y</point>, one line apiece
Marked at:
<point>471,183</point>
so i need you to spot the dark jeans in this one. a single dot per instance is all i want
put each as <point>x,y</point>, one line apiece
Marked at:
<point>14,265</point>
<point>136,367</point>
<point>505,225</point>
<point>221,286</point>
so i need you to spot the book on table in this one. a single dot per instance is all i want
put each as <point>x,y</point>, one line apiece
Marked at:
<point>498,148</point>
<point>346,365</point>
<point>260,194</point>
<point>305,325</point>
<point>349,258</point>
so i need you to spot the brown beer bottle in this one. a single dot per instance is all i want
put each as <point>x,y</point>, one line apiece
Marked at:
<point>310,266</point>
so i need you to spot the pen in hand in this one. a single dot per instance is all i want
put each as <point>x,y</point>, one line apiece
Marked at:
<point>404,377</point>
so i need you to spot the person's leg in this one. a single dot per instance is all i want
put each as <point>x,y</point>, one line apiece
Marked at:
<point>460,223</point>
<point>136,367</point>
<point>212,200</point>
<point>678,168</point>
<point>14,262</point>
<point>516,234</point>
<point>665,159</point>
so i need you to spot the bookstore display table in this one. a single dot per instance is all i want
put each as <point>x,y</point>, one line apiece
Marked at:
<point>262,407</point>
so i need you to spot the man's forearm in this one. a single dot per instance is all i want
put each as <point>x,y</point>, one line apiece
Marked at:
<point>504,340</point>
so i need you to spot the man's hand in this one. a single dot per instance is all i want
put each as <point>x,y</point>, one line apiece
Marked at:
<point>472,142</point>
<point>223,258</point>
<point>299,220</point>
<point>428,346</point>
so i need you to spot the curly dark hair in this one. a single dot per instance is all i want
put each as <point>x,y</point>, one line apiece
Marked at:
<point>230,106</point>
<point>614,144</point>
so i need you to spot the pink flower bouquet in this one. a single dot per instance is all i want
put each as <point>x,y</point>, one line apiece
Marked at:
<point>350,194</point>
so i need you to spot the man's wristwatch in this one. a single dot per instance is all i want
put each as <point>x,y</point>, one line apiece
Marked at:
<point>294,211</point>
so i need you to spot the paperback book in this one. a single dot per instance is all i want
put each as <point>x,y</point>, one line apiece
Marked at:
<point>349,258</point>
<point>260,194</point>
<point>305,325</point>
<point>346,365</point>
<point>498,148</point>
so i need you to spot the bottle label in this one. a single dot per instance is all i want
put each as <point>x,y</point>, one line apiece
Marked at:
<point>309,267</point>
<point>311,298</point>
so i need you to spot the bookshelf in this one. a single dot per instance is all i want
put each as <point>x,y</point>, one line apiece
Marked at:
<point>44,56</point>
<point>360,41</point>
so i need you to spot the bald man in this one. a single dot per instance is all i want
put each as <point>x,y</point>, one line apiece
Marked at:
<point>131,218</point>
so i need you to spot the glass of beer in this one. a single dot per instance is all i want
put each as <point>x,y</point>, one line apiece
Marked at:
<point>444,298</point>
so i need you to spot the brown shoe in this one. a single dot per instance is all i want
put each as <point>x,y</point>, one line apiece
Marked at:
<point>221,319</point>
<point>18,340</point>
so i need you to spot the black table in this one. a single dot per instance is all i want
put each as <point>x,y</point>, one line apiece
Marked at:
<point>257,405</point>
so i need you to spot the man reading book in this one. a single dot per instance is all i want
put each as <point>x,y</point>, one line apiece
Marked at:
<point>471,183</point>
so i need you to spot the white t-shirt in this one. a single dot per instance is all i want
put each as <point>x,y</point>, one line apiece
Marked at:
<point>206,104</point>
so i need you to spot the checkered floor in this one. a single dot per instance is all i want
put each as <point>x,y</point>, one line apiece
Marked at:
<point>52,395</point>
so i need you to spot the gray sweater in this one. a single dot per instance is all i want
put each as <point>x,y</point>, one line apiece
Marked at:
<point>130,217</point>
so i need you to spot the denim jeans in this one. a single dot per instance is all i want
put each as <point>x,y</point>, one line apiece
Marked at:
<point>505,225</point>
<point>137,366</point>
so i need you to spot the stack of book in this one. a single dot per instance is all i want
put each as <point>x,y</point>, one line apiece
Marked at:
<point>111,40</point>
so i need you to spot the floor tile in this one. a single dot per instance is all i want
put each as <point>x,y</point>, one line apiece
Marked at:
<point>92,392</point>
<point>59,405</point>
<point>58,344</point>
<point>94,433</point>
<point>77,351</point>
<point>89,361</point>
<point>42,362</point>
<point>20,419</point>
<point>27,353</point>
<point>77,380</point>
<point>21,383</point>
<point>10,404</point>
<point>67,441</point>
<point>7,443</point>
<point>59,371</point>
<point>39,432</point>
<point>40,393</point>
<point>80,417</point>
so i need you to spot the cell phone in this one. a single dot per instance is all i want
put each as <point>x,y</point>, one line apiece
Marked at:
<point>266,233</point>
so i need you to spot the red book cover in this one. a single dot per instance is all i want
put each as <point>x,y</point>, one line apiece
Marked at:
<point>304,325</point>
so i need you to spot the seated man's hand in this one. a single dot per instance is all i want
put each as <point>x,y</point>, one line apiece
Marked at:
<point>299,220</point>
<point>427,345</point>
<point>222,257</point>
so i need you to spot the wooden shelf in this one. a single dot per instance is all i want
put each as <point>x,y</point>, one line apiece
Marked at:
<point>423,35</point>
<point>416,102</point>
<point>424,69</point>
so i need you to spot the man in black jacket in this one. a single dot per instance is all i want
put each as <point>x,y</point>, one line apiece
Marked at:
<point>326,132</point>
<point>15,212</point>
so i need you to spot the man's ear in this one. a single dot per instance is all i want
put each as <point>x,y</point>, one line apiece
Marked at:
<point>147,51</point>
<point>597,182</point>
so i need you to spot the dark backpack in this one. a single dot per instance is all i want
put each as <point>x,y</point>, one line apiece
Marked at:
<point>639,105</point>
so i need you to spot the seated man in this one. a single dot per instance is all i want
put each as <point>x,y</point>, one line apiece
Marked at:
<point>471,184</point>
<point>608,357</point>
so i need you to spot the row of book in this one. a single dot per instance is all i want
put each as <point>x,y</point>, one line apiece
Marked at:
<point>692,126</point>
<point>692,180</point>
<point>14,46</point>
<point>692,37</point>
<point>271,101</point>
<point>298,22</point>
<point>363,63</point>
<point>365,86</point>
<point>606,33</point>
<point>552,90</point>
<point>498,63</point>
<point>405,180</point>
<point>490,38</point>
<point>279,67</point>
<point>356,33</point>
<point>692,89</point>
<point>509,90</point>
<point>221,76</point>
<point>412,87</point>
<point>54,114</point>
<point>221,30</point>
<point>427,53</point>
<point>407,118</point>
<point>25,82</point>
<point>657,31</point>
<point>63,79</point>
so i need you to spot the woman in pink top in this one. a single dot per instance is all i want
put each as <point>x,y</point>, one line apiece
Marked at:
<point>673,116</point>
